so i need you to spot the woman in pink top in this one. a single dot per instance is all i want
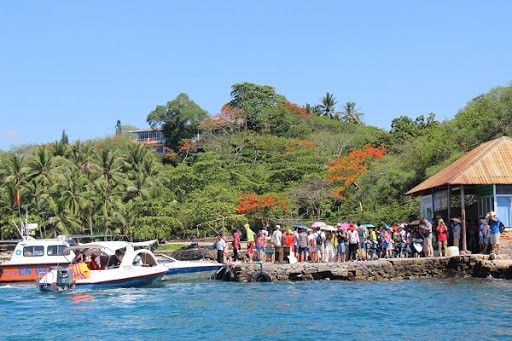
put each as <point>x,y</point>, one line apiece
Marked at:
<point>442,238</point>
<point>236,244</point>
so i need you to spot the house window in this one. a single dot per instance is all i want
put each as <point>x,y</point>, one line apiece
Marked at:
<point>504,189</point>
<point>485,204</point>
<point>503,208</point>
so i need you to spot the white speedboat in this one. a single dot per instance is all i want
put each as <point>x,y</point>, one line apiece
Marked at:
<point>120,265</point>
<point>187,271</point>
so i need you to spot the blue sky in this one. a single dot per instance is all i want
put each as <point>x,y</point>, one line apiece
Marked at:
<point>79,66</point>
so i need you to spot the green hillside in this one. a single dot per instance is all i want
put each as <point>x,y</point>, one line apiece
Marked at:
<point>261,160</point>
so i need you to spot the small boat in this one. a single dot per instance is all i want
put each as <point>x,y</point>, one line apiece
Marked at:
<point>32,257</point>
<point>118,265</point>
<point>187,271</point>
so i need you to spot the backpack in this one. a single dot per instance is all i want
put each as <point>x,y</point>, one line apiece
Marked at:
<point>319,239</point>
<point>303,240</point>
<point>502,227</point>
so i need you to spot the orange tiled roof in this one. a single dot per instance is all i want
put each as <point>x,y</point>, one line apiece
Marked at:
<point>489,163</point>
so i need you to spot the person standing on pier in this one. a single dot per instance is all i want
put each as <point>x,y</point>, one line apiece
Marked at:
<point>220,245</point>
<point>456,231</point>
<point>442,238</point>
<point>236,244</point>
<point>250,242</point>
<point>494,224</point>
<point>303,245</point>
<point>353,242</point>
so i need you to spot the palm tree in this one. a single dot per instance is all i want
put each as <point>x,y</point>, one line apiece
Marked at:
<point>40,165</point>
<point>59,148</point>
<point>60,219</point>
<point>39,199</point>
<point>327,106</point>
<point>351,114</point>
<point>14,174</point>
<point>107,185</point>
<point>142,171</point>
<point>314,109</point>
<point>73,191</point>
<point>81,155</point>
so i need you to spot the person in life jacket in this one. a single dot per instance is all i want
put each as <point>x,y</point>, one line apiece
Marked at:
<point>94,262</point>
<point>80,269</point>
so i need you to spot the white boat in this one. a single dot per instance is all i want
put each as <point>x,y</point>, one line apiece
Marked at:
<point>32,258</point>
<point>187,271</point>
<point>120,266</point>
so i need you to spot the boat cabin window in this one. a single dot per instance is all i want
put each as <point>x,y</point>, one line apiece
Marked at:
<point>33,251</point>
<point>55,250</point>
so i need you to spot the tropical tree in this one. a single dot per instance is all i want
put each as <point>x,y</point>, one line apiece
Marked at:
<point>345,170</point>
<point>107,185</point>
<point>254,101</point>
<point>315,110</point>
<point>179,119</point>
<point>327,106</point>
<point>351,114</point>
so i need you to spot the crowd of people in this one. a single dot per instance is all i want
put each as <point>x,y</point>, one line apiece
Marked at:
<point>352,241</point>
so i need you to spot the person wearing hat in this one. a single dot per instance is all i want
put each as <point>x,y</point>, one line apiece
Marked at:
<point>456,231</point>
<point>353,242</point>
<point>277,237</point>
<point>94,262</point>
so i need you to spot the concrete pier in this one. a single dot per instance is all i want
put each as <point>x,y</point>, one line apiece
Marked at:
<point>379,270</point>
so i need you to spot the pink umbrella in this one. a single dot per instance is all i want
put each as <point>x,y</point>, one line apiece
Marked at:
<point>318,224</point>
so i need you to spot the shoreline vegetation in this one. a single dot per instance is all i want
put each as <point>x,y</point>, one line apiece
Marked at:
<point>261,161</point>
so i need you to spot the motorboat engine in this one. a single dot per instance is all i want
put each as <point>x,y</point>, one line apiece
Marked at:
<point>64,278</point>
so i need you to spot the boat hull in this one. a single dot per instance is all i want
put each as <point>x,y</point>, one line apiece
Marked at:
<point>104,282</point>
<point>23,273</point>
<point>195,273</point>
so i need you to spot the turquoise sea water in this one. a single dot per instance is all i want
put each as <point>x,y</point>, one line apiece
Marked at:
<point>440,309</point>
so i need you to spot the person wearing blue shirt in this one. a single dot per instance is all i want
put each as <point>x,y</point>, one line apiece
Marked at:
<point>494,224</point>
<point>220,245</point>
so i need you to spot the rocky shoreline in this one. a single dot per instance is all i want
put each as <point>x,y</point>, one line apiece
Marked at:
<point>380,270</point>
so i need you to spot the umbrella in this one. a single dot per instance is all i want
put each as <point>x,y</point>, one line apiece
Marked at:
<point>328,228</point>
<point>318,224</point>
<point>368,225</point>
<point>300,226</point>
<point>345,225</point>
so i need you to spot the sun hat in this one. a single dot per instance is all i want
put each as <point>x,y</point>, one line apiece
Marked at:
<point>457,220</point>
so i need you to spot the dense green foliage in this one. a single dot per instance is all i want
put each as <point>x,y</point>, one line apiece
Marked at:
<point>273,153</point>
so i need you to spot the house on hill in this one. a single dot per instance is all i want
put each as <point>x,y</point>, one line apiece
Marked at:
<point>152,138</point>
<point>478,182</point>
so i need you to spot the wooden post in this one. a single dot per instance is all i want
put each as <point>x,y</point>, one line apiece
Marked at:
<point>449,203</point>
<point>463,217</point>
